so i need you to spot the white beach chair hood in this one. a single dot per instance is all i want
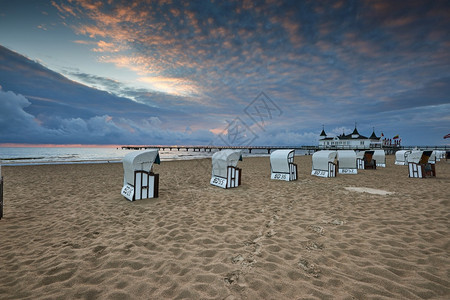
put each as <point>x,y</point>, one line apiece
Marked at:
<point>400,157</point>
<point>380,157</point>
<point>320,159</point>
<point>279,160</point>
<point>224,158</point>
<point>347,159</point>
<point>139,160</point>
<point>360,154</point>
<point>414,156</point>
<point>433,157</point>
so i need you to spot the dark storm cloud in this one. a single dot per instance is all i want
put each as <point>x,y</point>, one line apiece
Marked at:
<point>57,110</point>
<point>203,62</point>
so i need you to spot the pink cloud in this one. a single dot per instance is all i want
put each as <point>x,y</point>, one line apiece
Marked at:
<point>62,8</point>
<point>106,47</point>
<point>173,86</point>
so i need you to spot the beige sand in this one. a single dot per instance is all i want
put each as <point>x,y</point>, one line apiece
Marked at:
<point>368,190</point>
<point>67,233</point>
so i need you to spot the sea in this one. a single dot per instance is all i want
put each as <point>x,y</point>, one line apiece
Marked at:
<point>16,156</point>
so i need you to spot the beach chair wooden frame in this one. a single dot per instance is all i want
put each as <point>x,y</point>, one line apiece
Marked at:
<point>293,173</point>
<point>233,179</point>
<point>291,176</point>
<point>331,172</point>
<point>332,169</point>
<point>366,162</point>
<point>145,186</point>
<point>421,170</point>
<point>233,176</point>
<point>360,163</point>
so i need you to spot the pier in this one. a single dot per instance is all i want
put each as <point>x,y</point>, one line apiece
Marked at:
<point>309,149</point>
<point>209,148</point>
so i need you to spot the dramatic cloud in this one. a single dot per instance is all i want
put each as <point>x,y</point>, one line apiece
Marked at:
<point>16,125</point>
<point>200,64</point>
<point>13,118</point>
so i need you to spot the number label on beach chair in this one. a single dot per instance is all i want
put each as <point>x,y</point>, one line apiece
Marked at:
<point>280,176</point>
<point>319,173</point>
<point>128,192</point>
<point>348,171</point>
<point>218,181</point>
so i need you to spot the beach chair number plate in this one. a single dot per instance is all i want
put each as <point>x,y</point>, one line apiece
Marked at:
<point>348,171</point>
<point>217,181</point>
<point>319,173</point>
<point>280,176</point>
<point>128,192</point>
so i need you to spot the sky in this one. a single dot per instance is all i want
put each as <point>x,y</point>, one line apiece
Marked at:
<point>231,73</point>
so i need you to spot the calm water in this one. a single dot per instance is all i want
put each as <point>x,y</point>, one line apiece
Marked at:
<point>64,155</point>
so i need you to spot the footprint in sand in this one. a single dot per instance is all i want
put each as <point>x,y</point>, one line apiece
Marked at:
<point>255,244</point>
<point>309,268</point>
<point>237,259</point>
<point>316,228</point>
<point>272,221</point>
<point>336,222</point>
<point>244,262</point>
<point>232,277</point>
<point>99,250</point>
<point>270,233</point>
<point>312,245</point>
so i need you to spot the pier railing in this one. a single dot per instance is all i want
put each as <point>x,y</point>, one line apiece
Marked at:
<point>309,149</point>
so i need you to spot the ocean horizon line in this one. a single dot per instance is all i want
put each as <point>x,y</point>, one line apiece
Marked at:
<point>121,146</point>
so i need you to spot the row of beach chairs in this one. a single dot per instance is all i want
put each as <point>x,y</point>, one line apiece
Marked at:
<point>141,183</point>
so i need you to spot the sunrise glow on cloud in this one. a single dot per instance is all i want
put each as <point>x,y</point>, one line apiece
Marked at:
<point>178,72</point>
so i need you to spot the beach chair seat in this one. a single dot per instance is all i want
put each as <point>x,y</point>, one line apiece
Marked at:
<point>366,160</point>
<point>369,162</point>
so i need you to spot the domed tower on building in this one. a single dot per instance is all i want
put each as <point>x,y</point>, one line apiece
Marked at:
<point>353,140</point>
<point>323,134</point>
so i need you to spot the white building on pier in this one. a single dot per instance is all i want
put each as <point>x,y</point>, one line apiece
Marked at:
<point>349,141</point>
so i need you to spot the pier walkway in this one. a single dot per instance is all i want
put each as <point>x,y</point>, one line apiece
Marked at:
<point>309,149</point>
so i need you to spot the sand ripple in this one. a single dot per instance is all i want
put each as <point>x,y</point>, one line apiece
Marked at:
<point>67,233</point>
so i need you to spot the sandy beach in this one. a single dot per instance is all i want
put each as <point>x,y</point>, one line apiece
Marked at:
<point>67,233</point>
